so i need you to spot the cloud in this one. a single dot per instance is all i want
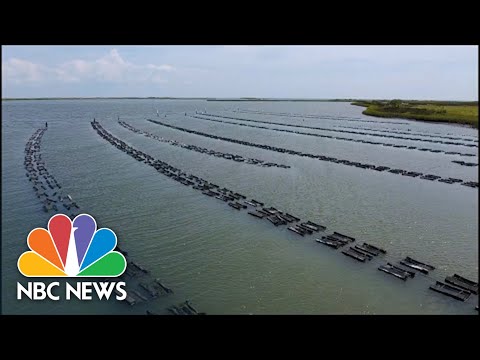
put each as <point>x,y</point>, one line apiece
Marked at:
<point>21,71</point>
<point>442,72</point>
<point>108,68</point>
<point>161,67</point>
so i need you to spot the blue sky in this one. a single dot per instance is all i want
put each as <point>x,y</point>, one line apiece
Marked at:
<point>386,72</point>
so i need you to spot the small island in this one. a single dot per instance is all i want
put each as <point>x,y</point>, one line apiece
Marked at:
<point>459,112</point>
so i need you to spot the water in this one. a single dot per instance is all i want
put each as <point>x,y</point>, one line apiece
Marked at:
<point>225,261</point>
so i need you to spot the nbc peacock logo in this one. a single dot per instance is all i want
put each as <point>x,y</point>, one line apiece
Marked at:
<point>72,249</point>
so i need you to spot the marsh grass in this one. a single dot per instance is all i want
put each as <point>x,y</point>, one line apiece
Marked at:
<point>447,111</point>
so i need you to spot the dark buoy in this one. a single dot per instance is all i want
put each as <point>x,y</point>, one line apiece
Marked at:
<point>46,124</point>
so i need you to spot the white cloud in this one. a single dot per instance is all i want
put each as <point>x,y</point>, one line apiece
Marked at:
<point>109,68</point>
<point>161,67</point>
<point>21,71</point>
<point>267,71</point>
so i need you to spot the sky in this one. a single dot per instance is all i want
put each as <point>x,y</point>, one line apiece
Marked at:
<point>368,72</point>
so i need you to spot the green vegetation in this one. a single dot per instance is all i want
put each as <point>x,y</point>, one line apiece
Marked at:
<point>461,112</point>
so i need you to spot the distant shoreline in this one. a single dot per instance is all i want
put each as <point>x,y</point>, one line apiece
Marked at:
<point>174,98</point>
<point>102,98</point>
<point>283,100</point>
<point>353,101</point>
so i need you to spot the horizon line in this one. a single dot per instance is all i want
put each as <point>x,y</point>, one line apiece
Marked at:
<point>221,98</point>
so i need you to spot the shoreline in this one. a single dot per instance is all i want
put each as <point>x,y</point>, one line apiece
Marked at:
<point>375,110</point>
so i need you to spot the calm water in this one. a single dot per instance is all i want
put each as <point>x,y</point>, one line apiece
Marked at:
<point>225,261</point>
